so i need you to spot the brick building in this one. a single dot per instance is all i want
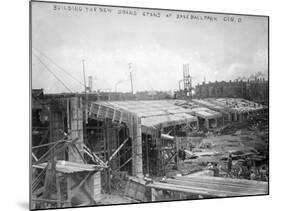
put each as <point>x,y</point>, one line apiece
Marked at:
<point>255,90</point>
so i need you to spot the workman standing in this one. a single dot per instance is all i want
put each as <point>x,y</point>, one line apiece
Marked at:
<point>229,163</point>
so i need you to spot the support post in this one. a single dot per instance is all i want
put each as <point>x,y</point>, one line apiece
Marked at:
<point>235,116</point>
<point>137,147</point>
<point>240,117</point>
<point>207,123</point>
<point>229,117</point>
<point>147,157</point>
<point>76,125</point>
<point>216,122</point>
<point>153,194</point>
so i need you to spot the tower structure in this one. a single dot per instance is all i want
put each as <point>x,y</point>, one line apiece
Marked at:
<point>187,82</point>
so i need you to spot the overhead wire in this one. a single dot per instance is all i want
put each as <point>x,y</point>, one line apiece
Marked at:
<point>59,67</point>
<point>49,70</point>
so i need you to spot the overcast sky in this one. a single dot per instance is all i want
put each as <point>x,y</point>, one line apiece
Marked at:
<point>157,47</point>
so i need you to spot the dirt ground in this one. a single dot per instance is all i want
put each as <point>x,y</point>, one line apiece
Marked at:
<point>247,143</point>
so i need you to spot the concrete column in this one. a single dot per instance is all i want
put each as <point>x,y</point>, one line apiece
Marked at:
<point>76,126</point>
<point>96,180</point>
<point>153,194</point>
<point>137,148</point>
<point>56,127</point>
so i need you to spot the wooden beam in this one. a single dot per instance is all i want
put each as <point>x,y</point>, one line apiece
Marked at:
<point>124,164</point>
<point>117,150</point>
<point>167,137</point>
<point>53,149</point>
<point>94,157</point>
<point>35,158</point>
<point>79,153</point>
<point>47,153</point>
<point>51,143</point>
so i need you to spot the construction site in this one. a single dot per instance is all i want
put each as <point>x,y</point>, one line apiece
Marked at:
<point>98,148</point>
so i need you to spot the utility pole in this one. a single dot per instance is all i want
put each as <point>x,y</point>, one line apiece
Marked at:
<point>131,77</point>
<point>90,83</point>
<point>86,96</point>
<point>83,62</point>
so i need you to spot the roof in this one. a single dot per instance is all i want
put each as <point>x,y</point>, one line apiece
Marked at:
<point>70,167</point>
<point>206,113</point>
<point>167,120</point>
<point>210,105</point>
<point>146,108</point>
<point>154,113</point>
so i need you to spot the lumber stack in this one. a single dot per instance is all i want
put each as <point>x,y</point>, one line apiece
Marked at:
<point>213,186</point>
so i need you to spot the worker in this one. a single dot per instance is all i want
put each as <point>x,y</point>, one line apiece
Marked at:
<point>252,175</point>
<point>147,179</point>
<point>240,172</point>
<point>190,146</point>
<point>215,169</point>
<point>263,174</point>
<point>248,163</point>
<point>229,163</point>
<point>182,153</point>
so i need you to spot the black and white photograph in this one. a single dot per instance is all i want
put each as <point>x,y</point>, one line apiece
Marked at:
<point>140,105</point>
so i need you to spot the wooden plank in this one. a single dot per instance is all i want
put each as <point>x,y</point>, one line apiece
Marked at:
<point>117,150</point>
<point>209,191</point>
<point>35,158</point>
<point>217,187</point>
<point>222,180</point>
<point>163,186</point>
<point>221,185</point>
<point>79,153</point>
<point>124,164</point>
<point>94,157</point>
<point>209,187</point>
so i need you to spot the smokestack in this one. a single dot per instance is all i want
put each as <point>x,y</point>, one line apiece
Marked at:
<point>90,83</point>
